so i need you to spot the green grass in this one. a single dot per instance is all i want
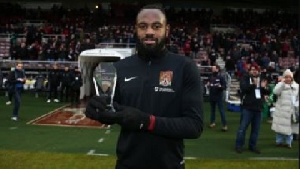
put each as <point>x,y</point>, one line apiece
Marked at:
<point>45,160</point>
<point>33,146</point>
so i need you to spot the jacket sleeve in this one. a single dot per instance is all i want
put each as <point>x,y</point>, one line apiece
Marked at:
<point>245,85</point>
<point>278,88</point>
<point>190,124</point>
<point>223,83</point>
<point>11,78</point>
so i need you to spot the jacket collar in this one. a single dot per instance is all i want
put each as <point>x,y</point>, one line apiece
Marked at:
<point>153,58</point>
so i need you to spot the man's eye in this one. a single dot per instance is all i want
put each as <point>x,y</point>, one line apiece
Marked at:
<point>156,26</point>
<point>142,26</point>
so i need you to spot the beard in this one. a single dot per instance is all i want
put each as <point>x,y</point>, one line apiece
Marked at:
<point>254,75</point>
<point>149,51</point>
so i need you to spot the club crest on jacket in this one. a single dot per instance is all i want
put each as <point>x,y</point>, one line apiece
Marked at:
<point>165,78</point>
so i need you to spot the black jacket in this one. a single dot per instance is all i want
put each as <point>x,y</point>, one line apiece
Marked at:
<point>216,92</point>
<point>13,78</point>
<point>248,99</point>
<point>169,88</point>
<point>76,80</point>
<point>66,77</point>
<point>54,77</point>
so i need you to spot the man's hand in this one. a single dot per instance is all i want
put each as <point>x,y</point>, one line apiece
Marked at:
<point>21,79</point>
<point>131,118</point>
<point>97,109</point>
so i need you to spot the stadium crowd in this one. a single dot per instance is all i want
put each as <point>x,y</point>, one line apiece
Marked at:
<point>270,36</point>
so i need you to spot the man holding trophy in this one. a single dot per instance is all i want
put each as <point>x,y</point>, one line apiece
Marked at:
<point>157,100</point>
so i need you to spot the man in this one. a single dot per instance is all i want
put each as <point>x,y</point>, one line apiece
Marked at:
<point>253,90</point>
<point>213,57</point>
<point>158,100</point>
<point>17,78</point>
<point>217,85</point>
<point>230,65</point>
<point>10,88</point>
<point>54,79</point>
<point>65,84</point>
<point>76,83</point>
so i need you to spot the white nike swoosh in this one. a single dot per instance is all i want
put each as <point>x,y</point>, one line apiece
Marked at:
<point>128,79</point>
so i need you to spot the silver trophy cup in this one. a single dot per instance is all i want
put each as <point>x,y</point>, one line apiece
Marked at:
<point>104,79</point>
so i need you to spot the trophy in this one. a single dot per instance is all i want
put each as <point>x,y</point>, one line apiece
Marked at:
<point>104,79</point>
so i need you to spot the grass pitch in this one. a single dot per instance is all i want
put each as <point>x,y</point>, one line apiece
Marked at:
<point>33,146</point>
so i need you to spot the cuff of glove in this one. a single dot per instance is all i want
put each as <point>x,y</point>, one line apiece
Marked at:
<point>151,123</point>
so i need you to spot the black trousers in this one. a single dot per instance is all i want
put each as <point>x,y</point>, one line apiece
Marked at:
<point>52,92</point>
<point>64,92</point>
<point>75,94</point>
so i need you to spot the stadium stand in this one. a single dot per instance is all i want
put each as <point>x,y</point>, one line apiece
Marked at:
<point>60,34</point>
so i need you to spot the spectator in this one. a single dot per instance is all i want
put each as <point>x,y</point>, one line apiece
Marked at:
<point>10,88</point>
<point>49,51</point>
<point>205,61</point>
<point>217,85</point>
<point>76,83</point>
<point>285,48</point>
<point>54,78</point>
<point>87,45</point>
<point>187,48</point>
<point>66,79</point>
<point>265,60</point>
<point>22,52</point>
<point>287,91</point>
<point>230,65</point>
<point>62,53</point>
<point>213,57</point>
<point>17,78</point>
<point>253,92</point>
<point>14,51</point>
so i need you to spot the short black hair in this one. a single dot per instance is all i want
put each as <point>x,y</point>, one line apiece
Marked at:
<point>154,6</point>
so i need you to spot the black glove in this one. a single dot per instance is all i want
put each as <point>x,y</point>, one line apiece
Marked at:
<point>131,118</point>
<point>97,109</point>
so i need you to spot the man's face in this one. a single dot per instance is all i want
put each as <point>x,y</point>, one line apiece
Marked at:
<point>214,69</point>
<point>151,30</point>
<point>19,66</point>
<point>253,71</point>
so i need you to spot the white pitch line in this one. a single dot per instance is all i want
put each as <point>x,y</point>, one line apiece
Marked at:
<point>99,155</point>
<point>189,158</point>
<point>38,118</point>
<point>100,140</point>
<point>13,128</point>
<point>273,158</point>
<point>92,152</point>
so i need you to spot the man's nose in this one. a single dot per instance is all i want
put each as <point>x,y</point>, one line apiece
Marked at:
<point>150,31</point>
